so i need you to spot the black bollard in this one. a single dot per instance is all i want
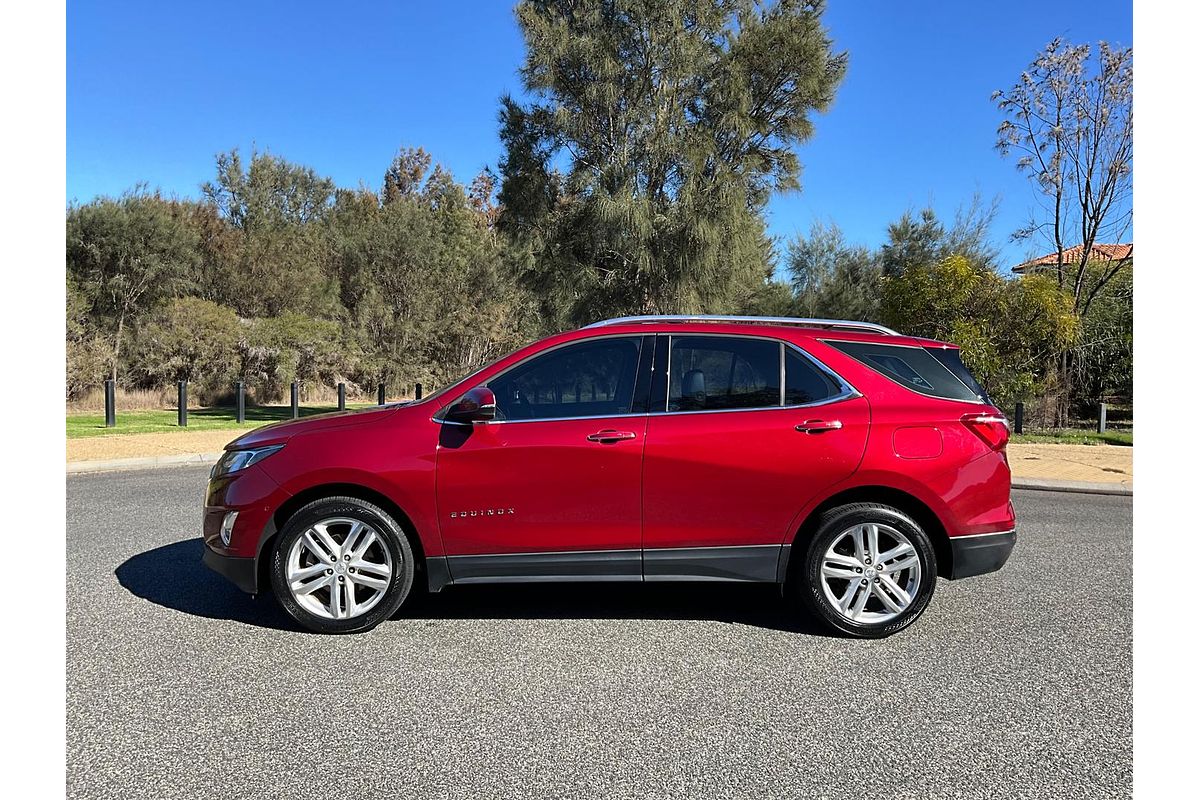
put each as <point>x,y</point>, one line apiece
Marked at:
<point>241,402</point>
<point>382,394</point>
<point>110,404</point>
<point>183,404</point>
<point>418,391</point>
<point>1019,419</point>
<point>295,400</point>
<point>341,397</point>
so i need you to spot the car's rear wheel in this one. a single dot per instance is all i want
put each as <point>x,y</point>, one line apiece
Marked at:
<point>341,565</point>
<point>869,570</point>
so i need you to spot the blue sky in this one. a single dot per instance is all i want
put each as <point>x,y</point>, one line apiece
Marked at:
<point>155,90</point>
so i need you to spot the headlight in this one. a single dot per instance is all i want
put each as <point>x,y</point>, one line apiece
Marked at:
<point>236,460</point>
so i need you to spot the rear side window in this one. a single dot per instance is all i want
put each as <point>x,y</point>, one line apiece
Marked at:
<point>711,373</point>
<point>915,368</point>
<point>804,383</point>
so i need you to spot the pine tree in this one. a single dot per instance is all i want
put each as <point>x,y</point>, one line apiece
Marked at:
<point>635,180</point>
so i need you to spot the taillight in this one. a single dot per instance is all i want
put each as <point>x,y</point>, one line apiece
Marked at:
<point>991,428</point>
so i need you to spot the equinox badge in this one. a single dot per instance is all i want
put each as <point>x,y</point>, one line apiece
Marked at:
<point>483,512</point>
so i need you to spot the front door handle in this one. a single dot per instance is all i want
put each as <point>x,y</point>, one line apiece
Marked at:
<point>819,425</point>
<point>611,436</point>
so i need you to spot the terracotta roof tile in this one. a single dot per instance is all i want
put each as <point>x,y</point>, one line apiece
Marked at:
<point>1100,252</point>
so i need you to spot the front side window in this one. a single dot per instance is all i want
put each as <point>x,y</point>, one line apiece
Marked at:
<point>710,373</point>
<point>588,379</point>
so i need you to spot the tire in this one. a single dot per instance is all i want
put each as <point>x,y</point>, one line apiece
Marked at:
<point>373,577</point>
<point>834,552</point>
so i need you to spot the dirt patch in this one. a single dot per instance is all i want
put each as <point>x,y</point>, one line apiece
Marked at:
<point>143,445</point>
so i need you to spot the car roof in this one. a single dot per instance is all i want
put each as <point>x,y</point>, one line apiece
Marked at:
<point>780,327</point>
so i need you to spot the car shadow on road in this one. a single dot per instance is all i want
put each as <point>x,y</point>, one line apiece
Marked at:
<point>757,605</point>
<point>172,576</point>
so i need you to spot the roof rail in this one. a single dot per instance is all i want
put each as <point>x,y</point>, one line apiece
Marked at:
<point>831,324</point>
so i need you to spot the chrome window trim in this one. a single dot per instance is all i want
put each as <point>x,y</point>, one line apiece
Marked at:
<point>978,401</point>
<point>828,401</point>
<point>550,419</point>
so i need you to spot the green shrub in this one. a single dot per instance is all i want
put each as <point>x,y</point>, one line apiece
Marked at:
<point>188,339</point>
<point>275,351</point>
<point>1009,330</point>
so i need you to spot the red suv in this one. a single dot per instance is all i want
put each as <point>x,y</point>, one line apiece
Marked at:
<point>839,458</point>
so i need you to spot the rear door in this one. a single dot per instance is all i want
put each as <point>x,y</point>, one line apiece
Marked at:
<point>744,430</point>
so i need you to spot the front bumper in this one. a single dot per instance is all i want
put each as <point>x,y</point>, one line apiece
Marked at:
<point>255,496</point>
<point>981,553</point>
<point>242,572</point>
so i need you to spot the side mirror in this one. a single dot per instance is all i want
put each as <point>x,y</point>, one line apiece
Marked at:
<point>477,405</point>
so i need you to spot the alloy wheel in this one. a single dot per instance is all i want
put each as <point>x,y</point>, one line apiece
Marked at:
<point>339,568</point>
<point>871,573</point>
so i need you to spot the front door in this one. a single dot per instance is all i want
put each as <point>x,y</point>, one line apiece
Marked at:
<point>726,469</point>
<point>552,487</point>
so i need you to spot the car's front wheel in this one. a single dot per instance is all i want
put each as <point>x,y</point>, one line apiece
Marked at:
<point>341,565</point>
<point>869,570</point>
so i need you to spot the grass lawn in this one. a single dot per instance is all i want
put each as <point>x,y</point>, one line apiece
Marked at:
<point>1121,438</point>
<point>199,419</point>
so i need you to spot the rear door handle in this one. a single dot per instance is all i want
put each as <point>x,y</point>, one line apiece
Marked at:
<point>611,436</point>
<point>819,425</point>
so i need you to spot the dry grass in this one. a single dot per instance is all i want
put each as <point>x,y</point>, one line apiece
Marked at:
<point>127,399</point>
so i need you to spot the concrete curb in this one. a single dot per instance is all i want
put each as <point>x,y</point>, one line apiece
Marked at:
<point>116,464</point>
<point>1080,487</point>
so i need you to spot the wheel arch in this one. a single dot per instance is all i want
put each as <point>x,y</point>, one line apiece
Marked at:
<point>910,504</point>
<point>341,489</point>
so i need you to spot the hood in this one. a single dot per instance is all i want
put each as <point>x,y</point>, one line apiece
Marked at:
<point>278,432</point>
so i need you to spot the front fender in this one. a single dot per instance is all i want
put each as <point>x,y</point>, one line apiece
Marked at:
<point>373,459</point>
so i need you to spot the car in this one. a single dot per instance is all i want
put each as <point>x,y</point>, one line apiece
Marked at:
<point>848,463</point>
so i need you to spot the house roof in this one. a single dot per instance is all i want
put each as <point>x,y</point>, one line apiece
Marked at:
<point>1072,255</point>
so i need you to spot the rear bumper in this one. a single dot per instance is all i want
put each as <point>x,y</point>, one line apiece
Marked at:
<point>981,553</point>
<point>242,572</point>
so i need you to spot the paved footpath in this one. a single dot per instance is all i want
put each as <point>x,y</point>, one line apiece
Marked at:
<point>1073,462</point>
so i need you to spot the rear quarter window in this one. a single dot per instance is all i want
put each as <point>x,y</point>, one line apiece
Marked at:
<point>950,358</point>
<point>914,368</point>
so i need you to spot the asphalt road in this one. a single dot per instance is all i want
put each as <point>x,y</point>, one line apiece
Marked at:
<point>1016,684</point>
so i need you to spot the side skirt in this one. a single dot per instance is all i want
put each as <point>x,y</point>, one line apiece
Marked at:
<point>750,563</point>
